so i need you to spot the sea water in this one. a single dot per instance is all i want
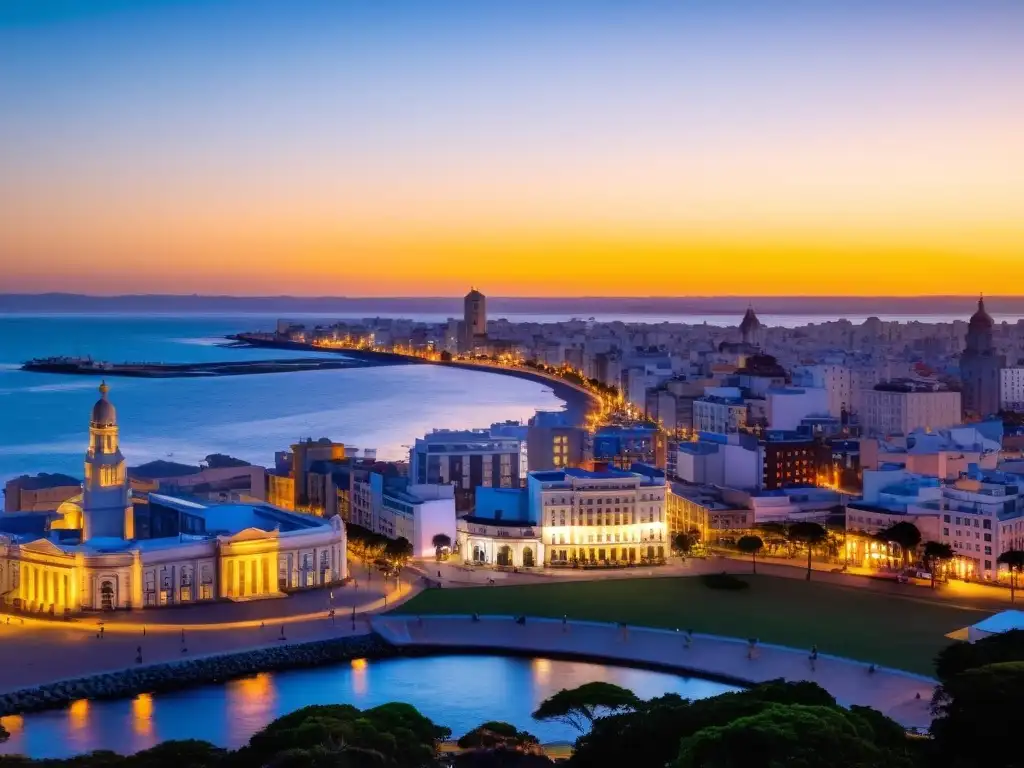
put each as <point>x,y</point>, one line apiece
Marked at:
<point>44,417</point>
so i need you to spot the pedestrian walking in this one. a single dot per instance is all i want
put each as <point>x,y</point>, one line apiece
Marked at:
<point>182,636</point>
<point>689,638</point>
<point>814,657</point>
<point>282,632</point>
<point>102,628</point>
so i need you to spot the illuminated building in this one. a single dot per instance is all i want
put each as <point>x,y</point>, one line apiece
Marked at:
<point>467,459</point>
<point>554,441</point>
<point>474,325</point>
<point>89,556</point>
<point>611,516</point>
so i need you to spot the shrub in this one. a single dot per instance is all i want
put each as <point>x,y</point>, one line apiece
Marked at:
<point>723,581</point>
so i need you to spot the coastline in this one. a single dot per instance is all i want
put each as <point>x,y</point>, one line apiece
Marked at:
<point>578,401</point>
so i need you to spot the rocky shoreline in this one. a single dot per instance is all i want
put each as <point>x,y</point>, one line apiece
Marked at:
<point>189,673</point>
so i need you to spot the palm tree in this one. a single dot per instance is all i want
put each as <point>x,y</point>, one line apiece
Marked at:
<point>934,553</point>
<point>751,545</point>
<point>1014,560</point>
<point>811,535</point>
<point>441,541</point>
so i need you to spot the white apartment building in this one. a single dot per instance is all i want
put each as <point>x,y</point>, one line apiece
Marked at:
<point>787,407</point>
<point>836,380</point>
<point>982,515</point>
<point>722,410</point>
<point>898,408</point>
<point>1011,388</point>
<point>611,516</point>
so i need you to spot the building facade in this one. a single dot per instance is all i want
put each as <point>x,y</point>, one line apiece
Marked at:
<point>90,557</point>
<point>1011,389</point>
<point>600,517</point>
<point>898,408</point>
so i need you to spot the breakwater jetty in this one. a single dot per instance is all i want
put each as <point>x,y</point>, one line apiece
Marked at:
<point>89,367</point>
<point>169,676</point>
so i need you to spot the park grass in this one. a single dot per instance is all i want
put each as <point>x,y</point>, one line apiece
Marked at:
<point>889,630</point>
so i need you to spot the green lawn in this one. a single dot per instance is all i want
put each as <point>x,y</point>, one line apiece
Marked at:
<point>899,632</point>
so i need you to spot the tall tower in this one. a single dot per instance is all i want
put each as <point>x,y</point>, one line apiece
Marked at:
<point>475,305</point>
<point>106,493</point>
<point>750,328</point>
<point>980,366</point>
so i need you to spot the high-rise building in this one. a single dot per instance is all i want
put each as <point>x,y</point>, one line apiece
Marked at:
<point>980,366</point>
<point>475,318</point>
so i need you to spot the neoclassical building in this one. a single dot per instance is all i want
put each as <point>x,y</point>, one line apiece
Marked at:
<point>87,556</point>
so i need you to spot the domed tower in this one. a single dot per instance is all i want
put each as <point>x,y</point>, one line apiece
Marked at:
<point>106,493</point>
<point>979,331</point>
<point>750,328</point>
<point>980,366</point>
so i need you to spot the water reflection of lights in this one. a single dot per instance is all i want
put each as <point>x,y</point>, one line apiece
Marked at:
<point>78,714</point>
<point>251,703</point>
<point>541,671</point>
<point>142,714</point>
<point>359,685</point>
<point>14,724</point>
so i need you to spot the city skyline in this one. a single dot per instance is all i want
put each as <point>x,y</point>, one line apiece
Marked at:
<point>730,148</point>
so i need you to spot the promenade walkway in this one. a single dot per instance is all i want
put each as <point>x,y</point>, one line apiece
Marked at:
<point>38,651</point>
<point>902,696</point>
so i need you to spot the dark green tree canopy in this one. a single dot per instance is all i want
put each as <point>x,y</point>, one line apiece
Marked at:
<point>579,706</point>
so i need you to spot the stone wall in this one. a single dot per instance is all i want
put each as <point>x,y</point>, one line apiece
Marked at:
<point>184,674</point>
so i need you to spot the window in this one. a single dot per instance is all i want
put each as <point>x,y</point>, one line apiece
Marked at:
<point>945,531</point>
<point>988,551</point>
<point>988,537</point>
<point>988,563</point>
<point>986,524</point>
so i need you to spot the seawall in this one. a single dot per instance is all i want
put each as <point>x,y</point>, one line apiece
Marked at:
<point>154,678</point>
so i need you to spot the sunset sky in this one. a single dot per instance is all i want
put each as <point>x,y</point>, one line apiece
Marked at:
<point>529,147</point>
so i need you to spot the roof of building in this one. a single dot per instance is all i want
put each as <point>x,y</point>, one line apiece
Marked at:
<point>235,517</point>
<point>1003,621</point>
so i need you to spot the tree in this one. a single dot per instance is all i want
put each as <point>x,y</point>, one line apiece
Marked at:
<point>936,552</point>
<point>751,545</point>
<point>497,734</point>
<point>986,700</point>
<point>395,735</point>
<point>811,535</point>
<point>650,734</point>
<point>578,707</point>
<point>1014,560</point>
<point>789,734</point>
<point>905,534</point>
<point>441,541</point>
<point>398,552</point>
<point>682,544</point>
<point>994,649</point>
<point>446,356</point>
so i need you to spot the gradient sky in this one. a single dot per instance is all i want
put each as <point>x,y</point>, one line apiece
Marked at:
<point>529,147</point>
